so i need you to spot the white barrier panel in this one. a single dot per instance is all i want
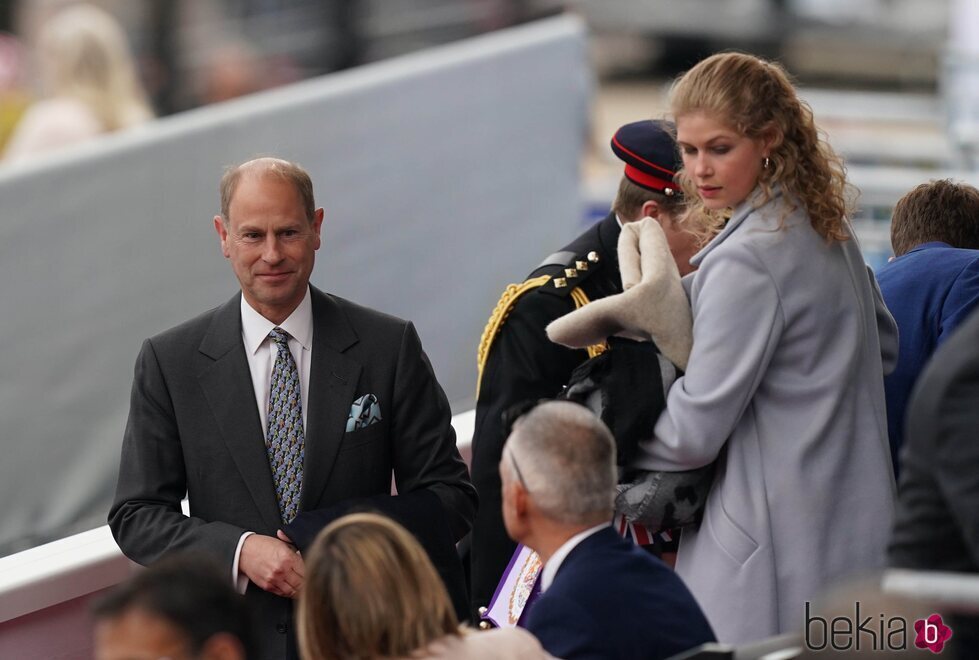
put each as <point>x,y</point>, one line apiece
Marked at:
<point>46,592</point>
<point>445,175</point>
<point>958,592</point>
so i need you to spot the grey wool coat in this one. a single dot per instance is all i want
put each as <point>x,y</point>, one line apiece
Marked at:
<point>784,389</point>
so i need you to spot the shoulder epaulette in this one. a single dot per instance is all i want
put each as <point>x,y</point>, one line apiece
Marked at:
<point>574,269</point>
<point>497,318</point>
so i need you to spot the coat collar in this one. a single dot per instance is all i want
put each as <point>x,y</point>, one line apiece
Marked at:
<point>738,216</point>
<point>608,236</point>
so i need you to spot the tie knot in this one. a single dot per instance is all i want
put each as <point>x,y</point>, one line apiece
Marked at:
<point>280,337</point>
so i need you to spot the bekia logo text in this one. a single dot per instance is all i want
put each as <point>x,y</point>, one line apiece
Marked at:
<point>873,632</point>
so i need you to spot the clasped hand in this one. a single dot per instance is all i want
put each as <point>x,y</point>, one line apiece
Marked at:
<point>273,564</point>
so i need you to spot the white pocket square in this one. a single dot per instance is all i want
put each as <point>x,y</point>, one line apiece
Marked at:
<point>364,412</point>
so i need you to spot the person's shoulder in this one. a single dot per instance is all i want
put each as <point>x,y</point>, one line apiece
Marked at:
<point>493,644</point>
<point>966,261</point>
<point>52,123</point>
<point>588,262</point>
<point>357,314</point>
<point>933,262</point>
<point>956,361</point>
<point>344,320</point>
<point>605,558</point>
<point>504,643</point>
<point>193,329</point>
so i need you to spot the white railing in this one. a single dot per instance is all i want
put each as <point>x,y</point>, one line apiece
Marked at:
<point>45,591</point>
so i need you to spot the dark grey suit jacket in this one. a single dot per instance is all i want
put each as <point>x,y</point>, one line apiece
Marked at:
<point>194,429</point>
<point>938,496</point>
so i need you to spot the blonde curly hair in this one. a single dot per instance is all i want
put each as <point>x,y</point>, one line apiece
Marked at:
<point>756,98</point>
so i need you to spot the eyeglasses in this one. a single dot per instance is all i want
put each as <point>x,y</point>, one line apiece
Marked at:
<point>516,468</point>
<point>509,418</point>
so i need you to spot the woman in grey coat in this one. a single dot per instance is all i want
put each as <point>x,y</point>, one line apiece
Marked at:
<point>784,384</point>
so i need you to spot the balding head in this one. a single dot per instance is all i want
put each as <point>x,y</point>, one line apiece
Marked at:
<point>268,167</point>
<point>566,456</point>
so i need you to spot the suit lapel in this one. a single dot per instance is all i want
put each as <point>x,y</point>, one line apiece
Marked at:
<point>333,381</point>
<point>227,386</point>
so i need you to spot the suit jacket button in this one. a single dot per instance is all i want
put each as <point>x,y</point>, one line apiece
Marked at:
<point>281,628</point>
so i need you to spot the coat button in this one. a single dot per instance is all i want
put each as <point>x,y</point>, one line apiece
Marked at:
<point>282,628</point>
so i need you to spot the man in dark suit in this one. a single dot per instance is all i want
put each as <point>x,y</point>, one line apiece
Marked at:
<point>517,362</point>
<point>935,522</point>
<point>602,596</point>
<point>284,399</point>
<point>930,286</point>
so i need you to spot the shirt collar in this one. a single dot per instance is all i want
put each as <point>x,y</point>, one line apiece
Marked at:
<point>554,563</point>
<point>927,246</point>
<point>255,328</point>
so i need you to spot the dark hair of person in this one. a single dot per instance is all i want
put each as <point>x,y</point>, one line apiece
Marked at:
<point>191,593</point>
<point>630,198</point>
<point>939,210</point>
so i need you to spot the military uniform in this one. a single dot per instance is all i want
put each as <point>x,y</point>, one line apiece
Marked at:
<point>519,363</point>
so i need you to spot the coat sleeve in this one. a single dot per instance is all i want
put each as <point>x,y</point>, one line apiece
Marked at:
<point>738,321</point>
<point>887,329</point>
<point>146,518</point>
<point>522,365</point>
<point>425,453</point>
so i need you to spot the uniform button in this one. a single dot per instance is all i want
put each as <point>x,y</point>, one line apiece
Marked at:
<point>282,628</point>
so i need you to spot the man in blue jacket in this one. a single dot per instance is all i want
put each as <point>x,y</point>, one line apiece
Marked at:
<point>931,285</point>
<point>602,596</point>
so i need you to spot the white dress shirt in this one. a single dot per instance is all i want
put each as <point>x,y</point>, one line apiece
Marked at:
<point>261,352</point>
<point>554,563</point>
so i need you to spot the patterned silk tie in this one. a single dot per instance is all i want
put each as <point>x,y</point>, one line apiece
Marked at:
<point>285,437</point>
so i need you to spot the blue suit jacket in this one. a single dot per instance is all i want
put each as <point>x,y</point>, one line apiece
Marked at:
<point>929,290</point>
<point>610,599</point>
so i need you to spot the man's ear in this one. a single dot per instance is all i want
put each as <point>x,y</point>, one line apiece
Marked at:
<point>222,233</point>
<point>521,500</point>
<point>650,209</point>
<point>318,215</point>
